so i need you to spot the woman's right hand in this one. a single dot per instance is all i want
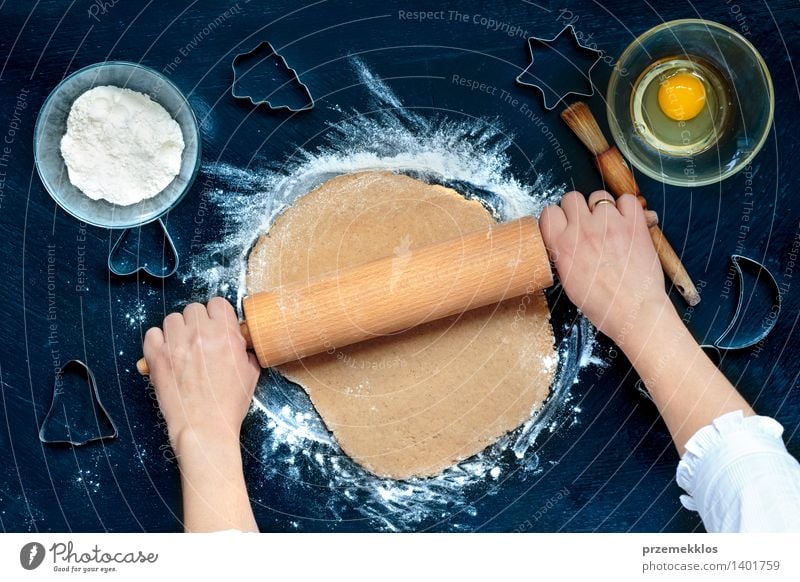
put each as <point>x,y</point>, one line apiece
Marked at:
<point>606,261</point>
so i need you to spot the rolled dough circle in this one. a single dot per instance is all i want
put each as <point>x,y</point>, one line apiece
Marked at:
<point>414,403</point>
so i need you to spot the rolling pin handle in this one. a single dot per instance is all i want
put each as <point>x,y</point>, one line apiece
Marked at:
<point>473,270</point>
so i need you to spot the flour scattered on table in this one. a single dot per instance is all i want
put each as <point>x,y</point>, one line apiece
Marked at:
<point>120,145</point>
<point>295,453</point>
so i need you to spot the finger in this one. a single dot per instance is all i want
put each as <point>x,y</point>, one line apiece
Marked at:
<point>220,309</point>
<point>195,313</point>
<point>174,327</point>
<point>255,367</point>
<point>253,361</point>
<point>552,222</point>
<point>153,340</point>
<point>628,205</point>
<point>651,218</point>
<point>596,197</point>
<point>574,206</point>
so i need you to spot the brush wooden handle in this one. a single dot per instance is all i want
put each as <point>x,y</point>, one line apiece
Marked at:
<point>619,180</point>
<point>673,267</point>
<point>617,176</point>
<point>396,293</point>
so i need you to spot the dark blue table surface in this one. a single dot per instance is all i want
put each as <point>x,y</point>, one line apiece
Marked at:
<point>617,464</point>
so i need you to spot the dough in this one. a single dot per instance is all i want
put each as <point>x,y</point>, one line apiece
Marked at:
<point>415,403</point>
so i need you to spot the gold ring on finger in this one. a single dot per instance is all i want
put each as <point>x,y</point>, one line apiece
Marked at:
<point>603,201</point>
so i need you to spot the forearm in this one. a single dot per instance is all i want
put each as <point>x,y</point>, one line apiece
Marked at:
<point>688,389</point>
<point>214,491</point>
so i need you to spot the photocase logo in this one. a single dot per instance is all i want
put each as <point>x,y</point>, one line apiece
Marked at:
<point>31,555</point>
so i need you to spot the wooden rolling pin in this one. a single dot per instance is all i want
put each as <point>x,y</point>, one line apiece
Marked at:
<point>392,294</point>
<point>619,180</point>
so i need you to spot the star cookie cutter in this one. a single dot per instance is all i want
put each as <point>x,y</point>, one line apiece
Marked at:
<point>264,53</point>
<point>547,87</point>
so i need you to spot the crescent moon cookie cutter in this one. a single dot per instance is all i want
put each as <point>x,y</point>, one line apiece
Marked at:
<point>738,335</point>
<point>558,87</point>
<point>263,53</point>
<point>733,338</point>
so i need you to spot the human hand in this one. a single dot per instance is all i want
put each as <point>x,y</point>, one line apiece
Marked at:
<point>606,261</point>
<point>203,376</point>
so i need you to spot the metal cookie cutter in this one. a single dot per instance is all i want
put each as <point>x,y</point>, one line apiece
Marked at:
<point>554,85</point>
<point>147,248</point>
<point>738,335</point>
<point>745,331</point>
<point>76,416</point>
<point>265,52</point>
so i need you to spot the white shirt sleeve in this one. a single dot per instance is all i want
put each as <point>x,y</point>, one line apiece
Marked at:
<point>739,476</point>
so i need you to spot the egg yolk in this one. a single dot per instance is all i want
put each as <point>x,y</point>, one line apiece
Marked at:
<point>681,97</point>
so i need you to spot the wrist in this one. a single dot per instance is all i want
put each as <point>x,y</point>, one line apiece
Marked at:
<point>645,324</point>
<point>209,465</point>
<point>206,439</point>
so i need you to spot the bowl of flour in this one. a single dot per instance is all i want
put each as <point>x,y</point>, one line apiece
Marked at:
<point>117,145</point>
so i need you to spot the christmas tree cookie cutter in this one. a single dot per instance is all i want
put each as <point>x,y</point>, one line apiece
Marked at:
<point>262,54</point>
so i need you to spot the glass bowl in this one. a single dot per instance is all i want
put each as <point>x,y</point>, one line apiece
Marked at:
<point>51,125</point>
<point>751,101</point>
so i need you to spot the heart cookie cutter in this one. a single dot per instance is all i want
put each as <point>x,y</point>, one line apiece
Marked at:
<point>123,261</point>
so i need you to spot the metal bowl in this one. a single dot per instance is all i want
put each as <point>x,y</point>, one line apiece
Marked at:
<point>51,125</point>
<point>751,103</point>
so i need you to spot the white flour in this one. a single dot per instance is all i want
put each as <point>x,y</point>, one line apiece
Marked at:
<point>121,146</point>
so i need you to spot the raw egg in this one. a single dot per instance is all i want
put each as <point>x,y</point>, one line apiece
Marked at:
<point>681,97</point>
